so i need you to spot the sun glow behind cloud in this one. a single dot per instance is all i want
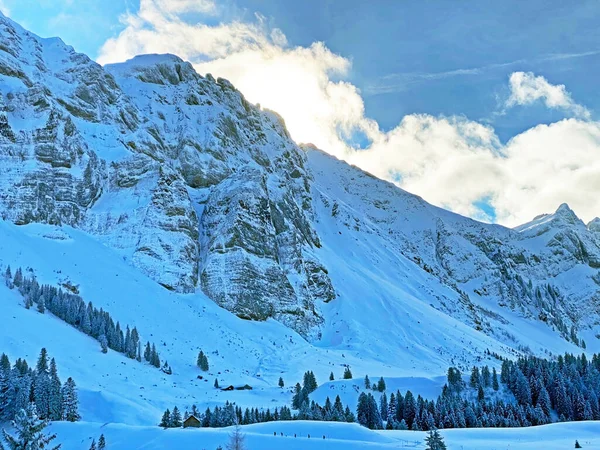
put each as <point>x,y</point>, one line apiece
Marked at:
<point>451,161</point>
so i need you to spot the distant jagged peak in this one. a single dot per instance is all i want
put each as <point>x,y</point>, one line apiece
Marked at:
<point>594,225</point>
<point>565,213</point>
<point>564,216</point>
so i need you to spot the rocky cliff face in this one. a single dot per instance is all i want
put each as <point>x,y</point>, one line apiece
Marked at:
<point>178,172</point>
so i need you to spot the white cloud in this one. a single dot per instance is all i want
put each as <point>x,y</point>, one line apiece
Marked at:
<point>450,161</point>
<point>526,88</point>
<point>184,6</point>
<point>4,9</point>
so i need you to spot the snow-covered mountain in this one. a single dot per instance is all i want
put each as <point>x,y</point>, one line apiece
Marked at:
<point>183,209</point>
<point>177,172</point>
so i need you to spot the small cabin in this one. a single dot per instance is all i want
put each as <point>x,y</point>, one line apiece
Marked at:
<point>228,388</point>
<point>191,422</point>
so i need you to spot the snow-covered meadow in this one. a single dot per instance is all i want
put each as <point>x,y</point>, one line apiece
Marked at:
<point>337,436</point>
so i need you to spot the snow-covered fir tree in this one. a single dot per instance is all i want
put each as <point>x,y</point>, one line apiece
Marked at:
<point>70,401</point>
<point>434,441</point>
<point>202,361</point>
<point>29,432</point>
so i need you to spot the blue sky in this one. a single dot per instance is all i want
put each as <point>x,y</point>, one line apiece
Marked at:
<point>407,56</point>
<point>395,60</point>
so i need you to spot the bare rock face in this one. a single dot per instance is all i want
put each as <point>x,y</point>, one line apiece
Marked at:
<point>168,246</point>
<point>49,174</point>
<point>240,240</point>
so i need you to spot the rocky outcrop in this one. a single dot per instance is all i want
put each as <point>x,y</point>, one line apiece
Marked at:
<point>245,256</point>
<point>167,249</point>
<point>49,174</point>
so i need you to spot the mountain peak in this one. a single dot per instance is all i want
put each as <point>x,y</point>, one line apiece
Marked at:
<point>594,224</point>
<point>564,208</point>
<point>565,213</point>
<point>155,68</point>
<point>151,59</point>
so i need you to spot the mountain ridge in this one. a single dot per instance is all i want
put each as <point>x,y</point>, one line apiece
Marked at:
<point>201,190</point>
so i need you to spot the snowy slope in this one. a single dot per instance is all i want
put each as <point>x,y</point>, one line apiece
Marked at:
<point>492,278</point>
<point>337,436</point>
<point>117,389</point>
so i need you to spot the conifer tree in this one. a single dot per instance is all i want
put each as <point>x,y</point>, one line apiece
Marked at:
<point>41,305</point>
<point>148,352</point>
<point>367,412</point>
<point>70,401</point>
<point>42,364</point>
<point>101,442</point>
<point>166,368</point>
<point>495,384</point>
<point>381,385</point>
<point>166,419</point>
<point>474,380</point>
<point>281,384</point>
<point>485,376</point>
<point>367,382</point>
<point>410,409</point>
<point>297,398</point>
<point>103,343</point>
<point>383,406</point>
<point>347,373</point>
<point>29,432</point>
<point>155,358</point>
<point>435,441</point>
<point>310,382</point>
<point>41,387</point>
<point>331,377</point>
<point>176,418</point>
<point>55,404</point>
<point>454,379</point>
<point>480,394</point>
<point>18,279</point>
<point>6,398</point>
<point>202,361</point>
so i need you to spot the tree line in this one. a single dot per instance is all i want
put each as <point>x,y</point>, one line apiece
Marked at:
<point>528,391</point>
<point>231,414</point>
<point>21,385</point>
<point>92,321</point>
<point>568,386</point>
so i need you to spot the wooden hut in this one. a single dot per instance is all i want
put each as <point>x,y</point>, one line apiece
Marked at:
<point>191,422</point>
